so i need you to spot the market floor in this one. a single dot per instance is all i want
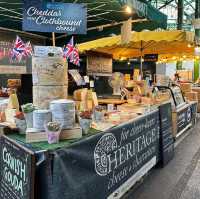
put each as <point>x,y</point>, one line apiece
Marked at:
<point>180,179</point>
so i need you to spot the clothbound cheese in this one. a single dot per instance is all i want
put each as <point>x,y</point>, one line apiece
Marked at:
<point>13,102</point>
<point>63,111</point>
<point>43,95</point>
<point>41,118</point>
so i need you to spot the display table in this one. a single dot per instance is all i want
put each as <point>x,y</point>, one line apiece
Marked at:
<point>100,165</point>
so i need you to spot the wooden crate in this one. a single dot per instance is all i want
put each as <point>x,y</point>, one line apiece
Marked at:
<point>191,96</point>
<point>174,123</point>
<point>68,134</point>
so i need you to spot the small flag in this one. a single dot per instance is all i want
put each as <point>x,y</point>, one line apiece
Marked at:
<point>28,51</point>
<point>75,58</point>
<point>71,53</point>
<point>17,51</point>
<point>68,49</point>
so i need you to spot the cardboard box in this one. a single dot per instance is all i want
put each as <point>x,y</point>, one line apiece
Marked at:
<point>186,87</point>
<point>191,96</point>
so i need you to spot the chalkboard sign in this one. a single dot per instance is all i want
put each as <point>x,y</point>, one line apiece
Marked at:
<point>99,65</point>
<point>184,118</point>
<point>16,171</point>
<point>166,137</point>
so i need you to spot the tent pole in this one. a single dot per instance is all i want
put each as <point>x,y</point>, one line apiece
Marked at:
<point>53,34</point>
<point>141,64</point>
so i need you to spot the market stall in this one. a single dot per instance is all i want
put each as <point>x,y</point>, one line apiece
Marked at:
<point>88,145</point>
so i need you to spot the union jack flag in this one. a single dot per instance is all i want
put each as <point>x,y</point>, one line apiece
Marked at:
<point>70,52</point>
<point>75,58</point>
<point>17,51</point>
<point>28,51</point>
<point>68,49</point>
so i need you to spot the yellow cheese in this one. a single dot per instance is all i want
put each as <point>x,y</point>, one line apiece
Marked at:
<point>10,115</point>
<point>13,102</point>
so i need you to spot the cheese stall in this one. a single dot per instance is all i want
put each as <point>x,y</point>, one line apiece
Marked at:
<point>101,140</point>
<point>71,139</point>
<point>86,145</point>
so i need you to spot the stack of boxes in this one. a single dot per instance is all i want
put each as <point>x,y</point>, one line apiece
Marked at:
<point>191,94</point>
<point>197,90</point>
<point>50,78</point>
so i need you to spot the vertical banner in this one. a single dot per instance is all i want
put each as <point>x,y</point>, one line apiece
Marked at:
<point>42,16</point>
<point>16,171</point>
<point>166,134</point>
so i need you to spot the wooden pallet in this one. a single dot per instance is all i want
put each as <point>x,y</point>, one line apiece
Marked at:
<point>32,136</point>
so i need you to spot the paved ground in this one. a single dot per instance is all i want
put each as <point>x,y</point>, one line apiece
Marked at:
<point>180,179</point>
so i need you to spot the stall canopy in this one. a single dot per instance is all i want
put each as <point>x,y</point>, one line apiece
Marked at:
<point>146,42</point>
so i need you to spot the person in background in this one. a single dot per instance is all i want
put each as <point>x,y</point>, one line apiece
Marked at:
<point>176,77</point>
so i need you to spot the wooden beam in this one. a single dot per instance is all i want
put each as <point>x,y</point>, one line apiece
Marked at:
<point>107,26</point>
<point>25,33</point>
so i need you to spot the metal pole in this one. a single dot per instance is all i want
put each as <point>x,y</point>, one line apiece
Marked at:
<point>141,61</point>
<point>197,9</point>
<point>141,65</point>
<point>197,16</point>
<point>53,36</point>
<point>180,15</point>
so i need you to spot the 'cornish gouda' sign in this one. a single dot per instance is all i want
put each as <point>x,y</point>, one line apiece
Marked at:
<point>16,176</point>
<point>54,17</point>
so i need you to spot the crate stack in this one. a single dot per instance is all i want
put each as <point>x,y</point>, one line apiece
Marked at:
<point>50,80</point>
<point>186,89</point>
<point>197,90</point>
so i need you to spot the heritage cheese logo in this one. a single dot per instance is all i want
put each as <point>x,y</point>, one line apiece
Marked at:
<point>105,146</point>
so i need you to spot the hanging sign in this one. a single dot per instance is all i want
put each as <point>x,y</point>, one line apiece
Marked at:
<point>99,65</point>
<point>151,57</point>
<point>16,171</point>
<point>42,16</point>
<point>9,65</point>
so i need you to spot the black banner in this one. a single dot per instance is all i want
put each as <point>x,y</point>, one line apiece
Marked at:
<point>166,134</point>
<point>105,165</point>
<point>16,171</point>
<point>184,118</point>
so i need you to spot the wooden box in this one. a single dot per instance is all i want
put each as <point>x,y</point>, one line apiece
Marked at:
<point>68,134</point>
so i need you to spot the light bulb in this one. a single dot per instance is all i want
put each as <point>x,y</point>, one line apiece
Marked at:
<point>128,10</point>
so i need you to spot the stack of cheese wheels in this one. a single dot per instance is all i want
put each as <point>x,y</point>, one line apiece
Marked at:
<point>50,80</point>
<point>63,112</point>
